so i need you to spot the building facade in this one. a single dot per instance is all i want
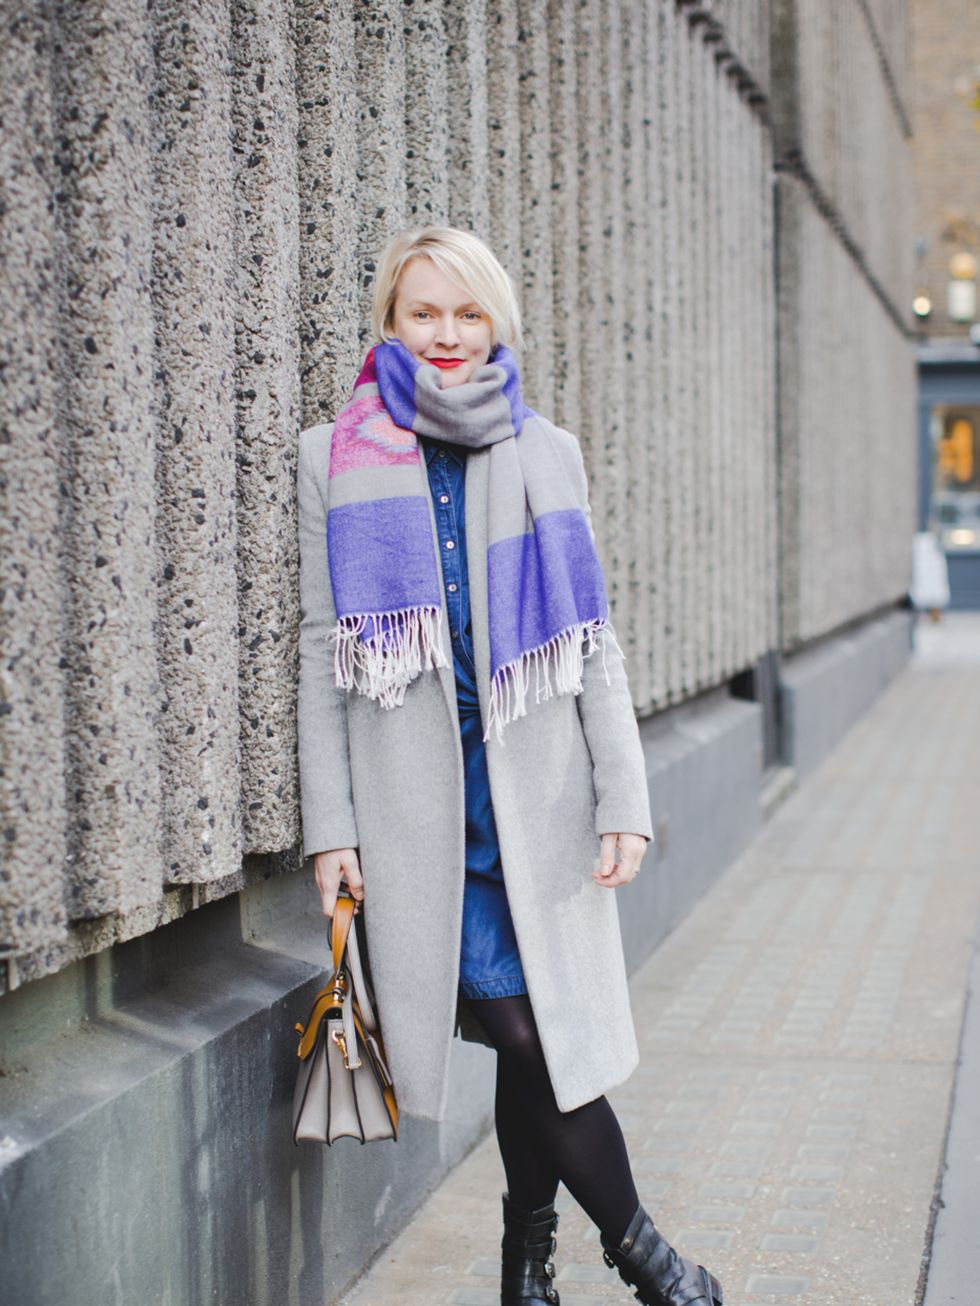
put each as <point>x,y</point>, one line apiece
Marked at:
<point>706,209</point>
<point>946,150</point>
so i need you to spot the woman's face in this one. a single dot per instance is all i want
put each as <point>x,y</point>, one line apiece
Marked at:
<point>438,321</point>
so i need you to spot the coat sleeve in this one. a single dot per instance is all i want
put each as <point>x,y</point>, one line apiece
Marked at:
<point>326,802</point>
<point>605,708</point>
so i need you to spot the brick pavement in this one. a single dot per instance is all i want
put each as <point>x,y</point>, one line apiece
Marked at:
<point>798,1033</point>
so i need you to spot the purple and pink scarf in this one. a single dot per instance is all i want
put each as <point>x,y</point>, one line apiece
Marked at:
<point>546,593</point>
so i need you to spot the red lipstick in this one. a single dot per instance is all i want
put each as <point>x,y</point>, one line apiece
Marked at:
<point>445,362</point>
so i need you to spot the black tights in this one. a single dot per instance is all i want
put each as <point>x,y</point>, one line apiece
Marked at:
<point>541,1145</point>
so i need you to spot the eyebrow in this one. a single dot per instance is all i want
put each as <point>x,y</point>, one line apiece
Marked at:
<point>424,303</point>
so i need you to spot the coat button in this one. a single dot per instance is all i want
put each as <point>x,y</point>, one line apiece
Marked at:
<point>443,498</point>
<point>450,544</point>
<point>452,587</point>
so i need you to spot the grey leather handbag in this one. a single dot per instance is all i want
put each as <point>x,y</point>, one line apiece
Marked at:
<point>343,1088</point>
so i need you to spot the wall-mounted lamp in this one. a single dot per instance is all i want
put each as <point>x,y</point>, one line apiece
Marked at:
<point>961,290</point>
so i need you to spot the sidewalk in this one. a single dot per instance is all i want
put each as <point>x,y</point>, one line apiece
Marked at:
<point>799,1034</point>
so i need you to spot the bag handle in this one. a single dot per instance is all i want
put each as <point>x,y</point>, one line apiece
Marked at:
<point>347,938</point>
<point>343,918</point>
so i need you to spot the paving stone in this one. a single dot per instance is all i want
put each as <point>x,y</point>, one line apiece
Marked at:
<point>755,1128</point>
<point>823,1152</point>
<point>698,1239</point>
<point>674,1126</point>
<point>484,1267</point>
<point>715,1214</point>
<point>818,1173</point>
<point>586,1272</point>
<point>736,1169</point>
<point>783,1285</point>
<point>747,1150</point>
<point>764,1110</point>
<point>809,1196</point>
<point>800,1219</point>
<point>831,1131</point>
<point>725,1190</point>
<point>788,1242</point>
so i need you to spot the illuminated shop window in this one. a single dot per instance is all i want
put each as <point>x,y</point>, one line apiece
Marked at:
<point>955,505</point>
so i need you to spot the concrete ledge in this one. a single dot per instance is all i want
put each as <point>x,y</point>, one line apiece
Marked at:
<point>825,689</point>
<point>146,1103</point>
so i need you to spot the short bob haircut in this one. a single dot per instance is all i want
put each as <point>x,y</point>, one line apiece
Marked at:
<point>465,259</point>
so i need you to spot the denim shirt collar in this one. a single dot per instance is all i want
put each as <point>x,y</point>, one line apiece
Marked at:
<point>431,448</point>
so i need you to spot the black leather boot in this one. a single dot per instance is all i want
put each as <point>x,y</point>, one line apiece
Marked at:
<point>526,1269</point>
<point>646,1261</point>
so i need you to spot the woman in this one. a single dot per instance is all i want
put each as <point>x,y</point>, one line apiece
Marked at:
<point>468,744</point>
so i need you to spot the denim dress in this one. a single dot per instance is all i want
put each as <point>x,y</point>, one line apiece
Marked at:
<point>489,964</point>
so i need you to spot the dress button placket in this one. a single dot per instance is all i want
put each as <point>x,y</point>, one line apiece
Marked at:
<point>450,567</point>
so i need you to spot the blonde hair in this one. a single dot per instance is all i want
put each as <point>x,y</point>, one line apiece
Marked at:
<point>465,259</point>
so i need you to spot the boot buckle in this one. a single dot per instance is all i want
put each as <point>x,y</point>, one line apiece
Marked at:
<point>608,1259</point>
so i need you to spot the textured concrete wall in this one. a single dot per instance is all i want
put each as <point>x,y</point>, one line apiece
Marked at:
<point>846,369</point>
<point>197,198</point>
<point>945,40</point>
<point>197,195</point>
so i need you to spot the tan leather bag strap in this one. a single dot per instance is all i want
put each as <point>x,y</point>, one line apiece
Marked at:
<point>343,917</point>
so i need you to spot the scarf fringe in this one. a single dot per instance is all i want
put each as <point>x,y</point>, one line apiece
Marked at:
<point>564,654</point>
<point>384,667</point>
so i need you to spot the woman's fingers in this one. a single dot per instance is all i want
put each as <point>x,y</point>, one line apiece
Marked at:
<point>611,874</point>
<point>607,858</point>
<point>330,868</point>
<point>355,881</point>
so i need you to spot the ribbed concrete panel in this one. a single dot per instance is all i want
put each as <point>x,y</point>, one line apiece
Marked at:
<point>668,357</point>
<point>651,686</point>
<point>590,301</point>
<point>196,299</point>
<point>536,254</point>
<point>426,114</point>
<point>563,84</point>
<point>380,209</point>
<point>469,156</point>
<point>843,122</point>
<point>766,461</point>
<point>229,179</point>
<point>744,34</point>
<point>638,426</point>
<point>329,200</point>
<point>264,114</point>
<point>847,431</point>
<point>107,412</point>
<point>689,559</point>
<point>504,135</point>
<point>33,815</point>
<point>700,459</point>
<point>711,329</point>
<point>889,22</point>
<point>607,339</point>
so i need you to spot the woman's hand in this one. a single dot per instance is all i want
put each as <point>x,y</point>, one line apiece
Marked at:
<point>611,874</point>
<point>333,866</point>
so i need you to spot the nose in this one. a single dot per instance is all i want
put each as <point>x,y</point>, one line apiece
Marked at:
<point>448,333</point>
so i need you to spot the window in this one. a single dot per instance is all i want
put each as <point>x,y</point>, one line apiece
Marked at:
<point>955,505</point>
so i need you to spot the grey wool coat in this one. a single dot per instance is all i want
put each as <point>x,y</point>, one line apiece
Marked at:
<point>389,782</point>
